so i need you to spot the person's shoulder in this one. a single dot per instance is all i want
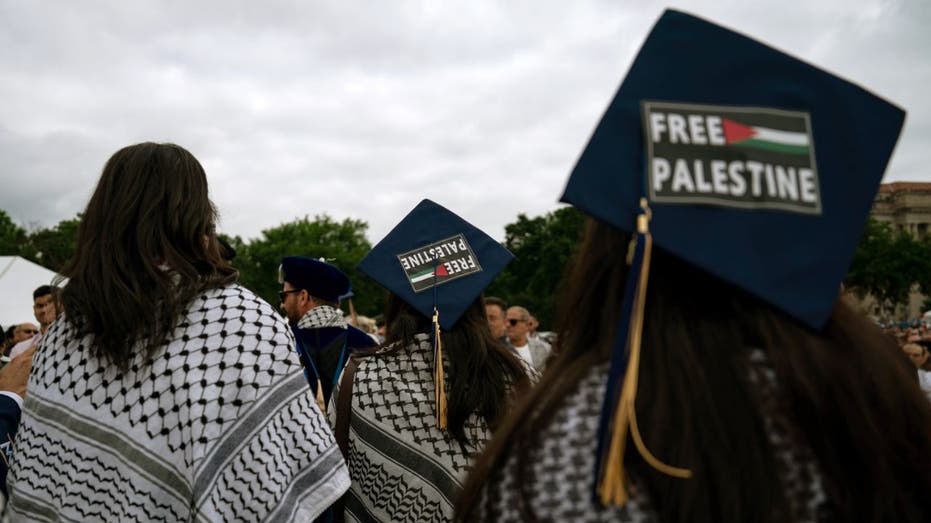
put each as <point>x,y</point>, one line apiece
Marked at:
<point>390,358</point>
<point>235,311</point>
<point>355,338</point>
<point>235,295</point>
<point>563,452</point>
<point>234,299</point>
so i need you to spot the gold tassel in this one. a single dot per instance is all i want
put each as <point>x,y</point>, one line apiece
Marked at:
<point>438,376</point>
<point>320,401</point>
<point>614,483</point>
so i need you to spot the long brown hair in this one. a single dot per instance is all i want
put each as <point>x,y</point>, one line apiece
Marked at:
<point>852,399</point>
<point>483,374</point>
<point>146,247</point>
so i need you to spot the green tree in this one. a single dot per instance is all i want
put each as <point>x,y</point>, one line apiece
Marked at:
<point>53,247</point>
<point>542,246</point>
<point>888,264</point>
<point>341,243</point>
<point>12,236</point>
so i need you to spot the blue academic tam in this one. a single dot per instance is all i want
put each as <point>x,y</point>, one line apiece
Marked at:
<point>758,167</point>
<point>435,257</point>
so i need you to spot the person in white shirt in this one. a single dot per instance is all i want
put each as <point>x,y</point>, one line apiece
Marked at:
<point>534,351</point>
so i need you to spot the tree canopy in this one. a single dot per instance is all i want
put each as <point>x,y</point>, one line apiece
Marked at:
<point>542,246</point>
<point>11,235</point>
<point>889,264</point>
<point>342,244</point>
<point>50,247</point>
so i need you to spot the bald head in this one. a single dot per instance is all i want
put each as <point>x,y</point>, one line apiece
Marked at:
<point>24,331</point>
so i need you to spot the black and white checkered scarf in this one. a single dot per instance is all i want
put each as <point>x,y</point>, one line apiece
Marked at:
<point>322,316</point>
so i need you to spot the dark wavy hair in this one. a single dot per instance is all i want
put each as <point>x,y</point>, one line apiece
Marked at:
<point>483,374</point>
<point>851,397</point>
<point>146,246</point>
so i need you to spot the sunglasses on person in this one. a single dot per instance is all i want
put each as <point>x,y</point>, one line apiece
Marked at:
<point>284,294</point>
<point>514,321</point>
<point>30,331</point>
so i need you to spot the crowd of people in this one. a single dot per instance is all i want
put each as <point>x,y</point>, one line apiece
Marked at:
<point>695,372</point>
<point>20,337</point>
<point>915,341</point>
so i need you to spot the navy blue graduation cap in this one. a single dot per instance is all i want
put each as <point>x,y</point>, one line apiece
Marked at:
<point>434,251</point>
<point>317,277</point>
<point>741,160</point>
<point>439,264</point>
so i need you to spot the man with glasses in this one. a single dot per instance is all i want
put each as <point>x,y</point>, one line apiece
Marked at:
<point>24,331</point>
<point>534,351</point>
<point>324,340</point>
<point>16,334</point>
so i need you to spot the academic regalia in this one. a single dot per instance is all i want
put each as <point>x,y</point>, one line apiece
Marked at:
<point>323,339</point>
<point>404,464</point>
<point>746,163</point>
<point>323,353</point>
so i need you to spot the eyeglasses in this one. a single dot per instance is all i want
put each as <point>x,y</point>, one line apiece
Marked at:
<point>284,294</point>
<point>514,321</point>
<point>30,331</point>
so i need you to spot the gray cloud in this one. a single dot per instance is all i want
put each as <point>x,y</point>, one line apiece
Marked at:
<point>360,109</point>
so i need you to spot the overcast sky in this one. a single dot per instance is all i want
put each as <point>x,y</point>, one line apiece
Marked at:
<point>360,109</point>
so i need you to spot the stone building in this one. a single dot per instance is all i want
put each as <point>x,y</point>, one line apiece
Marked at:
<point>906,205</point>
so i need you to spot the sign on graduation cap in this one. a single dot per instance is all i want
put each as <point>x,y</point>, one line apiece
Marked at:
<point>741,160</point>
<point>744,157</point>
<point>439,262</point>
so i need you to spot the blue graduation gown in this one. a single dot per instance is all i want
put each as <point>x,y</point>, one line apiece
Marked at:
<point>324,351</point>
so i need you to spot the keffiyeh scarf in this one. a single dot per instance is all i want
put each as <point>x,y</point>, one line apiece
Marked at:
<point>322,316</point>
<point>215,425</point>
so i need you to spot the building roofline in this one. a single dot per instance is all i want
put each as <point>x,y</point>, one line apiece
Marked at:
<point>904,187</point>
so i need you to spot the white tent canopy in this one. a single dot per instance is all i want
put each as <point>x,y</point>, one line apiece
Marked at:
<point>18,278</point>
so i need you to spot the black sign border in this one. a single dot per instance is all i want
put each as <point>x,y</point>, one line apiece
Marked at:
<point>646,105</point>
<point>447,280</point>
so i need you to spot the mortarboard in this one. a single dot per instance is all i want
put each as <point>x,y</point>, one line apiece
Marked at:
<point>317,277</point>
<point>748,163</point>
<point>439,264</point>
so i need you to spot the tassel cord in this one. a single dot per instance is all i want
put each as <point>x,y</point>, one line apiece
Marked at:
<point>439,378</point>
<point>613,483</point>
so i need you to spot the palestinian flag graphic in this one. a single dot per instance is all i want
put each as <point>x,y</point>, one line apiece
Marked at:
<point>738,134</point>
<point>428,274</point>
